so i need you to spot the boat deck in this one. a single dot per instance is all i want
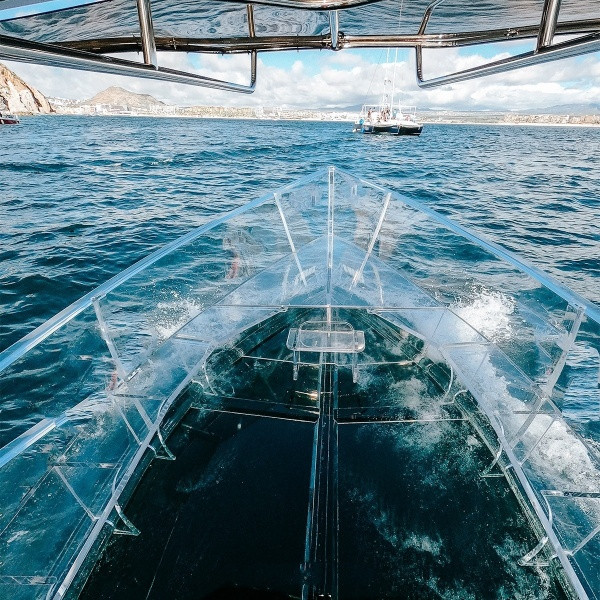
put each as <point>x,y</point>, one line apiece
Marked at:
<point>320,487</point>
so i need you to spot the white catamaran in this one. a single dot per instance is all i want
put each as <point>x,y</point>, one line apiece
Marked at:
<point>332,358</point>
<point>385,117</point>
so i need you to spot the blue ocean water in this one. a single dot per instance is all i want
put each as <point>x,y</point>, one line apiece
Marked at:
<point>82,198</point>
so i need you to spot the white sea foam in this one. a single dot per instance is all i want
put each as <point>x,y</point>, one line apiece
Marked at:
<point>424,543</point>
<point>172,315</point>
<point>488,312</point>
<point>509,551</point>
<point>213,474</point>
<point>457,592</point>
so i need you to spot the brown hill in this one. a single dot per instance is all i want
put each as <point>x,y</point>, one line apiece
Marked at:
<point>116,96</point>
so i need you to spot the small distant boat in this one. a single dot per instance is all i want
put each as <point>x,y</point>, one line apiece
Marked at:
<point>381,118</point>
<point>8,119</point>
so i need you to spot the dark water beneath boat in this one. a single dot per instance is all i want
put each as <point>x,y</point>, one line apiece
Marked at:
<point>82,198</point>
<point>406,513</point>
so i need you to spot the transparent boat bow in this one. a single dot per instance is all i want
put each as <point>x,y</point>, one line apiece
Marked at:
<point>88,395</point>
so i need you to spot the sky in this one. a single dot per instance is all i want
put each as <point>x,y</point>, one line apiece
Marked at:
<point>335,80</point>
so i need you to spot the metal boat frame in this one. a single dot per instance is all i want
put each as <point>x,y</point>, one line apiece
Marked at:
<point>91,54</point>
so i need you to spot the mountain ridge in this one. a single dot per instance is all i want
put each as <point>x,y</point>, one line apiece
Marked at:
<point>564,109</point>
<point>116,95</point>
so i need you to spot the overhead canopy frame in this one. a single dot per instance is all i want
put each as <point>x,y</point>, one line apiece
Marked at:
<point>369,24</point>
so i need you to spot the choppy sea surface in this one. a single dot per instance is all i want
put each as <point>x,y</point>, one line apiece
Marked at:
<point>82,198</point>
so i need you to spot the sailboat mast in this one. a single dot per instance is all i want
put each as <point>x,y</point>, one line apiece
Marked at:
<point>393,83</point>
<point>385,98</point>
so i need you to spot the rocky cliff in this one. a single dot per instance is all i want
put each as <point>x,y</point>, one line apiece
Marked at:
<point>18,97</point>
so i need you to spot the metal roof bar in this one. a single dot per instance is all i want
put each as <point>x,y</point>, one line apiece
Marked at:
<point>583,45</point>
<point>59,56</point>
<point>56,56</point>
<point>235,45</point>
<point>334,28</point>
<point>548,23</point>
<point>147,32</point>
<point>545,51</point>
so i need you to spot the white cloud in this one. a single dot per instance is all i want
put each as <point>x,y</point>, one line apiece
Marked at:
<point>297,67</point>
<point>338,79</point>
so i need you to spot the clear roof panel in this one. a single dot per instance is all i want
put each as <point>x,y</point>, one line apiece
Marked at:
<point>118,18</point>
<point>214,19</point>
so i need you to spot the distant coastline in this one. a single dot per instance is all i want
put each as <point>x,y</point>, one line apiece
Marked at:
<point>17,97</point>
<point>116,101</point>
<point>425,121</point>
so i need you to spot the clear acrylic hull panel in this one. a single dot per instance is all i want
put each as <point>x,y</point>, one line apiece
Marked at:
<point>151,307</point>
<point>507,306</point>
<point>359,212</point>
<point>84,396</point>
<point>302,210</point>
<point>55,375</point>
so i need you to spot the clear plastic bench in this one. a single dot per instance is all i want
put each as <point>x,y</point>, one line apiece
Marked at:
<point>326,336</point>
